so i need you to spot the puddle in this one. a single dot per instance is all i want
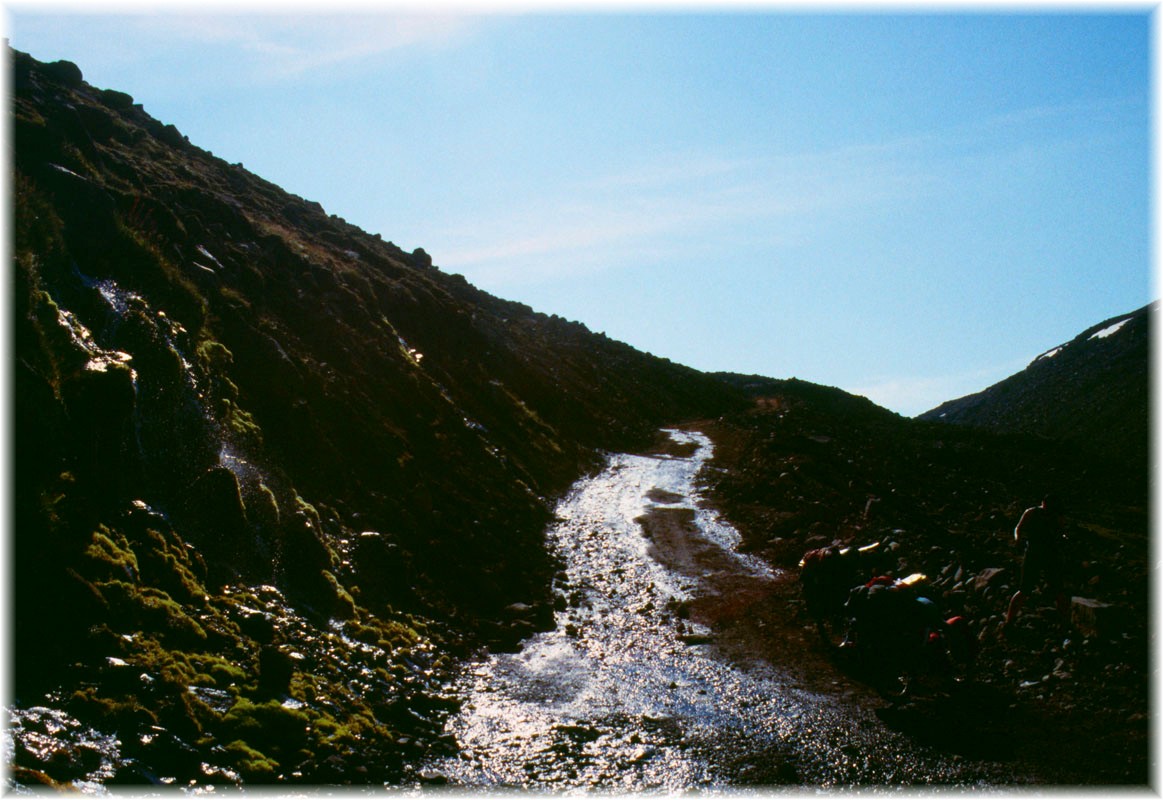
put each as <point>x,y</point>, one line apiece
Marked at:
<point>614,696</point>
<point>49,738</point>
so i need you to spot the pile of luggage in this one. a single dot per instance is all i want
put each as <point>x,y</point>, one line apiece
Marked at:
<point>892,628</point>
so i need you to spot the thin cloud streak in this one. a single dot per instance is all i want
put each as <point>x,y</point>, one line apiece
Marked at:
<point>682,201</point>
<point>275,47</point>
<point>668,205</point>
<point>912,395</point>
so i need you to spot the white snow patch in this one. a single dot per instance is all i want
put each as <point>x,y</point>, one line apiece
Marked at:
<point>1110,330</point>
<point>1050,353</point>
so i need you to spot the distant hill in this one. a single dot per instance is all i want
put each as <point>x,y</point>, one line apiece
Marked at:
<point>779,391</point>
<point>807,466</point>
<point>1092,391</point>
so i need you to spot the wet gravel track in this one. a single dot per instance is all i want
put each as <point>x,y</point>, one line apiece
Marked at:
<point>636,690</point>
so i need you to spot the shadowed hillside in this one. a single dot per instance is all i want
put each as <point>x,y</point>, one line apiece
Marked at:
<point>262,454</point>
<point>809,466</point>
<point>1093,390</point>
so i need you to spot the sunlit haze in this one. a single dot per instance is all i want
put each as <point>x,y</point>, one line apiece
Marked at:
<point>909,206</point>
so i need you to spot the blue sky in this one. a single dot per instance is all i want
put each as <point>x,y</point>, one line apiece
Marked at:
<point>910,205</point>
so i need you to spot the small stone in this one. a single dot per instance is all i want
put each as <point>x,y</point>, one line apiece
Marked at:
<point>986,578</point>
<point>432,777</point>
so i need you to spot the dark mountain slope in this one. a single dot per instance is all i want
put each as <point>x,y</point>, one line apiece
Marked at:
<point>1093,390</point>
<point>262,454</point>
<point>809,466</point>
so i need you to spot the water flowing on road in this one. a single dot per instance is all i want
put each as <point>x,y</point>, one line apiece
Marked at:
<point>628,693</point>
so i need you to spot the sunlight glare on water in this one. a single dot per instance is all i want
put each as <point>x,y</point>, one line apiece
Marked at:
<point>612,696</point>
<point>627,694</point>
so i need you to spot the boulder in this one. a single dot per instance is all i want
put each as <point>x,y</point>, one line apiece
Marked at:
<point>101,401</point>
<point>65,72</point>
<point>169,134</point>
<point>114,99</point>
<point>214,511</point>
<point>519,610</point>
<point>1093,617</point>
<point>986,578</point>
<point>276,667</point>
<point>87,207</point>
<point>421,258</point>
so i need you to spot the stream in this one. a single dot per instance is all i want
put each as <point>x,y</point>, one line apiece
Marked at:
<point>627,693</point>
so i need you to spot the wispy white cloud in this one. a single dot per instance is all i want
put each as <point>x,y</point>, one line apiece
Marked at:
<point>912,395</point>
<point>670,205</point>
<point>279,46</point>
<point>669,169</point>
<point>220,44</point>
<point>549,243</point>
<point>685,206</point>
<point>240,43</point>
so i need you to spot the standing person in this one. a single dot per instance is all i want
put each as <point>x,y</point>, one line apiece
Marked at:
<point>1040,530</point>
